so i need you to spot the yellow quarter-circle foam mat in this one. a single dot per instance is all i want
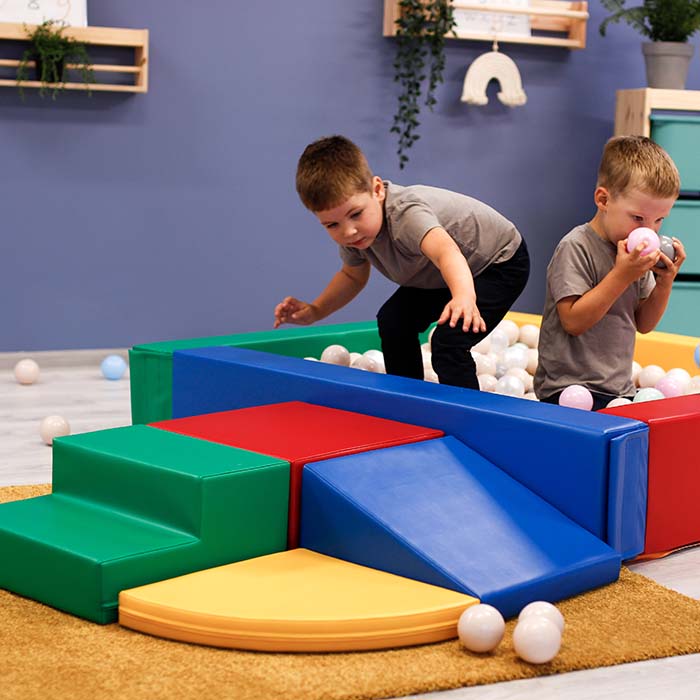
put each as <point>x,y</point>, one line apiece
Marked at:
<point>296,600</point>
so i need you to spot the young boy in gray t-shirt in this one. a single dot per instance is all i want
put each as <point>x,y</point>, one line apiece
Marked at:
<point>456,260</point>
<point>598,294</point>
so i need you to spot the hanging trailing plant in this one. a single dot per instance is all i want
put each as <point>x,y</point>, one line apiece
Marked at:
<point>421,30</point>
<point>51,51</point>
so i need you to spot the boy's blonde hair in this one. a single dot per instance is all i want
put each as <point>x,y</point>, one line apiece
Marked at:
<point>636,162</point>
<point>330,171</point>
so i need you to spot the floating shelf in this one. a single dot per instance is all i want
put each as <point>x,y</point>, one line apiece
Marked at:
<point>558,22</point>
<point>633,107</point>
<point>136,39</point>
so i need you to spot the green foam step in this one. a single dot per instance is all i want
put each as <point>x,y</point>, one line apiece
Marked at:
<point>136,505</point>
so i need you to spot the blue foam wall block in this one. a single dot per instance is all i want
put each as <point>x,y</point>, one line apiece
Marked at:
<point>563,455</point>
<point>438,512</point>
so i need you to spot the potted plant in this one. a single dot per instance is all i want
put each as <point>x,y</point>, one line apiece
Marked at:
<point>51,51</point>
<point>668,24</point>
<point>420,41</point>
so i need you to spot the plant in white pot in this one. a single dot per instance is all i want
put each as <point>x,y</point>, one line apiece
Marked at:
<point>668,24</point>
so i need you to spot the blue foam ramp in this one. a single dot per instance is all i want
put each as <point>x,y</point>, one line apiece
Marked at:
<point>438,512</point>
<point>590,466</point>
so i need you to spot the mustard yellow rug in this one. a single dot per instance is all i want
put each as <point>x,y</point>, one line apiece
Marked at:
<point>48,654</point>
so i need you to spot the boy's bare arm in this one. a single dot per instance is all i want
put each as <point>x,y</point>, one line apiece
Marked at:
<point>652,308</point>
<point>579,313</point>
<point>344,286</point>
<point>439,247</point>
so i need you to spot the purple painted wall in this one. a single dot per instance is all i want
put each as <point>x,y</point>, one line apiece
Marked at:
<point>173,214</point>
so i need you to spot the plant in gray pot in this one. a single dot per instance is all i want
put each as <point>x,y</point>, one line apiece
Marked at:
<point>669,24</point>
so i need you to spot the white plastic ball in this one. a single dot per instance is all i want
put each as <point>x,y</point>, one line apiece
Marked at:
<point>680,376</point>
<point>523,376</point>
<point>480,628</point>
<point>26,371</point>
<point>354,356</point>
<point>536,640</point>
<point>650,375</point>
<point>52,427</point>
<point>648,393</point>
<point>693,385</point>
<point>378,358</point>
<point>483,346</point>
<point>361,362</point>
<point>113,367</point>
<point>636,369</point>
<point>508,385</point>
<point>510,328</point>
<point>515,357</point>
<point>311,359</point>
<point>498,341</point>
<point>576,396</point>
<point>487,382</point>
<point>619,401</point>
<point>530,335</point>
<point>485,364</point>
<point>531,396</point>
<point>533,357</point>
<point>336,355</point>
<point>542,608</point>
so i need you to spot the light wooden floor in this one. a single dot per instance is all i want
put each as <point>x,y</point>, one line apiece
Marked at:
<point>89,402</point>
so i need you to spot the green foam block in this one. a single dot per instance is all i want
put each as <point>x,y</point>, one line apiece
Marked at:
<point>137,505</point>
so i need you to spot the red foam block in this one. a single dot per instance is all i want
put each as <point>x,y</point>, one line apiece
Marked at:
<point>299,433</point>
<point>673,516</point>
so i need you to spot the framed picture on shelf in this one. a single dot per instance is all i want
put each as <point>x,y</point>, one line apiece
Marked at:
<point>485,22</point>
<point>72,12</point>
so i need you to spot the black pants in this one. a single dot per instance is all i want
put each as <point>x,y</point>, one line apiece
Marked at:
<point>409,311</point>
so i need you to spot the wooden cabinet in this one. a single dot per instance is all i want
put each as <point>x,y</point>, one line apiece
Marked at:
<point>134,69</point>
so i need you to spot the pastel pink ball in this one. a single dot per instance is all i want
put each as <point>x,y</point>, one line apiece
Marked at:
<point>669,387</point>
<point>576,396</point>
<point>643,235</point>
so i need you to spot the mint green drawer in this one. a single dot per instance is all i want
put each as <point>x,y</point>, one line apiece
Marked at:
<point>683,311</point>
<point>684,223</point>
<point>680,136</point>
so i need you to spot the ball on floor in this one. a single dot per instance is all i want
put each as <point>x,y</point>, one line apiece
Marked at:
<point>26,371</point>
<point>52,427</point>
<point>113,367</point>
<point>536,640</point>
<point>480,628</point>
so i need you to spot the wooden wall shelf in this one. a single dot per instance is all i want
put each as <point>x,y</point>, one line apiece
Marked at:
<point>557,22</point>
<point>633,107</point>
<point>136,39</point>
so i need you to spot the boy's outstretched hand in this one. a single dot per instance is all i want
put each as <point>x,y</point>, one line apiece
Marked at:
<point>291,310</point>
<point>465,310</point>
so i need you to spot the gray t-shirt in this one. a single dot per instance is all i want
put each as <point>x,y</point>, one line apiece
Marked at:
<point>601,358</point>
<point>483,235</point>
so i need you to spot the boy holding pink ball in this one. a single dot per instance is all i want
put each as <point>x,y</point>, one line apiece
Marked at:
<point>600,293</point>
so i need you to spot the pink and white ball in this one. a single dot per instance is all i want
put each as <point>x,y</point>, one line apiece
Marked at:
<point>576,396</point>
<point>646,236</point>
<point>52,427</point>
<point>336,355</point>
<point>26,371</point>
<point>480,628</point>
<point>536,639</point>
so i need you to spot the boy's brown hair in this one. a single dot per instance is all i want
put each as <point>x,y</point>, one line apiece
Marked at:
<point>330,171</point>
<point>636,162</point>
